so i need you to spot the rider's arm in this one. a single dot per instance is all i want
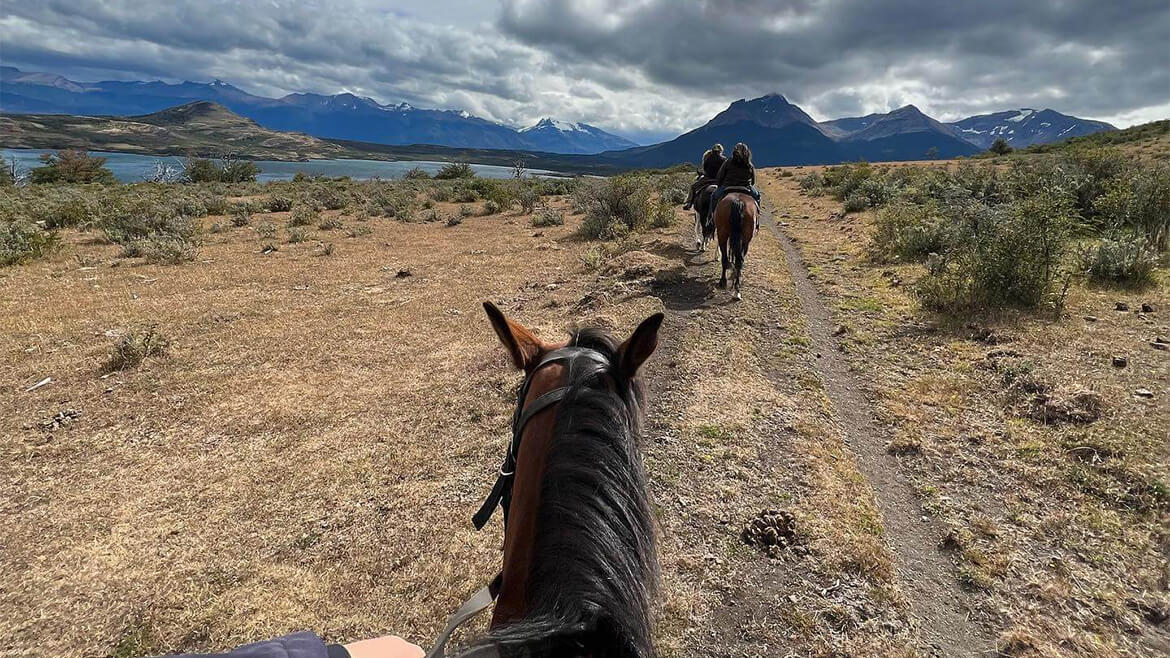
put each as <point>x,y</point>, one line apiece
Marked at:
<point>722,172</point>
<point>309,645</point>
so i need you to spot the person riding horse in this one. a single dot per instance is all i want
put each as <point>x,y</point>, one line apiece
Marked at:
<point>713,159</point>
<point>737,172</point>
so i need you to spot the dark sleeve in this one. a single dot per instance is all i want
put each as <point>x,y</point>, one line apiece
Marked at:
<point>296,645</point>
<point>752,174</point>
<point>722,172</point>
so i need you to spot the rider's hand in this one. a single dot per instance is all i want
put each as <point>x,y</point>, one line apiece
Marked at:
<point>387,646</point>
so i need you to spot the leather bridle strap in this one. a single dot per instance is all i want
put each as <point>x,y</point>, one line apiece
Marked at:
<point>501,492</point>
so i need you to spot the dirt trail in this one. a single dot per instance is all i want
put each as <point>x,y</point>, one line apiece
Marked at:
<point>925,575</point>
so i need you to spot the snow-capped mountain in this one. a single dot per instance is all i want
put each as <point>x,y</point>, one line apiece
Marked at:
<point>337,116</point>
<point>556,136</point>
<point>1026,126</point>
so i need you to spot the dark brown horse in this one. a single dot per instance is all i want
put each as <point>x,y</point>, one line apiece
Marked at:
<point>580,564</point>
<point>704,221</point>
<point>735,224</point>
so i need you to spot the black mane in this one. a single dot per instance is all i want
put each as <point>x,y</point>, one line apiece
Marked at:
<point>594,566</point>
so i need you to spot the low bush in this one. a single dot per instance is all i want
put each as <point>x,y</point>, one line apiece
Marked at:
<point>303,216</point>
<point>548,217</point>
<point>617,207</point>
<point>22,241</point>
<point>491,207</point>
<point>165,250</point>
<point>297,235</point>
<point>527,196</point>
<point>908,232</point>
<point>1122,258</point>
<point>278,203</point>
<point>454,170</point>
<point>135,347</point>
<point>71,166</point>
<point>241,217</point>
<point>330,223</point>
<point>415,173</point>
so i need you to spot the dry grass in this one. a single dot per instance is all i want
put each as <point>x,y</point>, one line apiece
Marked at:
<point>1064,522</point>
<point>309,452</point>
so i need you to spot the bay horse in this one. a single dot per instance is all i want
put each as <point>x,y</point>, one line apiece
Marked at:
<point>735,224</point>
<point>704,219</point>
<point>580,565</point>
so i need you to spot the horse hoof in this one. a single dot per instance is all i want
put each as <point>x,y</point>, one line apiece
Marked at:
<point>737,297</point>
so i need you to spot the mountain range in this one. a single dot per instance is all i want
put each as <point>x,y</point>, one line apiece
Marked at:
<point>779,132</point>
<point>340,116</point>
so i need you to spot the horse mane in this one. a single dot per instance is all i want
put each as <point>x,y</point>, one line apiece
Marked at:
<point>594,567</point>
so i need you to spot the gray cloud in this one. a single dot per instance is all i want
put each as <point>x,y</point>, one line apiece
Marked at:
<point>649,69</point>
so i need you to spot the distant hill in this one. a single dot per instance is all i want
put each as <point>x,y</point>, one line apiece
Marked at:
<point>199,128</point>
<point>1148,140</point>
<point>1024,127</point>
<point>904,134</point>
<point>339,116</point>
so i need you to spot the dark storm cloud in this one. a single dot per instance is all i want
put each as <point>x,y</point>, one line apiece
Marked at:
<point>650,68</point>
<point>1085,56</point>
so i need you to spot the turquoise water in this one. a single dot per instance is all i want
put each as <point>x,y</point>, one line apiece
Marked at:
<point>133,168</point>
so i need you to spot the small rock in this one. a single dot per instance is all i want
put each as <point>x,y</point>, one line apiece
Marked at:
<point>1160,346</point>
<point>1162,340</point>
<point>403,273</point>
<point>1090,318</point>
<point>1144,393</point>
<point>840,330</point>
<point>1121,306</point>
<point>1147,308</point>
<point>1120,362</point>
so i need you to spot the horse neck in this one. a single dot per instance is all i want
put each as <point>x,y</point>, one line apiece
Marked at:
<point>579,548</point>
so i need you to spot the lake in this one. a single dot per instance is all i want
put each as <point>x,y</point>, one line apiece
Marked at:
<point>133,168</point>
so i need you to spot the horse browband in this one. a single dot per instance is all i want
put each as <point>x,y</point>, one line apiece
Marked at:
<point>501,494</point>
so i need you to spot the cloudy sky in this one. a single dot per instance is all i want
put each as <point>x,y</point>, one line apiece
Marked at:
<point>647,69</point>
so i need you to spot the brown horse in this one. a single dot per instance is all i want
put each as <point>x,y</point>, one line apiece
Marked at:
<point>580,564</point>
<point>735,224</point>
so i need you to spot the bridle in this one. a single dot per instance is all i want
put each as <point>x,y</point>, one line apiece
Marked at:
<point>573,357</point>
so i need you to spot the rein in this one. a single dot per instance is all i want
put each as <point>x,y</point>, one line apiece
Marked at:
<point>501,493</point>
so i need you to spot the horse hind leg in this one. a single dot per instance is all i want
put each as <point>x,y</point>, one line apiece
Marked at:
<point>700,238</point>
<point>725,262</point>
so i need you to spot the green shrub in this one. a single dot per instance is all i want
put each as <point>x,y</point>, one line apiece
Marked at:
<point>908,232</point>
<point>674,188</point>
<point>137,345</point>
<point>216,205</point>
<point>359,231</point>
<point>416,173</point>
<point>454,220</point>
<point>664,214</point>
<point>548,217</point>
<point>143,221</point>
<point>442,194</point>
<point>1000,147</point>
<point>1123,258</point>
<point>277,203</point>
<point>466,195</point>
<point>1010,255</point>
<point>812,184</point>
<point>617,207</point>
<point>454,170</point>
<point>229,170</point>
<point>22,241</point>
<point>856,202</point>
<point>303,216</point>
<point>165,250</point>
<point>490,207</point>
<point>528,197</point>
<point>240,217</point>
<point>466,210</point>
<point>266,231</point>
<point>297,235</point>
<point>1140,202</point>
<point>71,166</point>
<point>330,223</point>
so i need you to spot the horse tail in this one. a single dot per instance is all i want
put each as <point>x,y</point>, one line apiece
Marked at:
<point>735,231</point>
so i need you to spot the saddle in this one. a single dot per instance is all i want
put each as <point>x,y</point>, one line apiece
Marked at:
<point>737,188</point>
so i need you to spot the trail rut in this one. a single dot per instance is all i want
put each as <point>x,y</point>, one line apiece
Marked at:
<point>925,575</point>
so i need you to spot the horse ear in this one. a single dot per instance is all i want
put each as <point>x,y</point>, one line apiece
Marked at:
<point>522,345</point>
<point>634,352</point>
